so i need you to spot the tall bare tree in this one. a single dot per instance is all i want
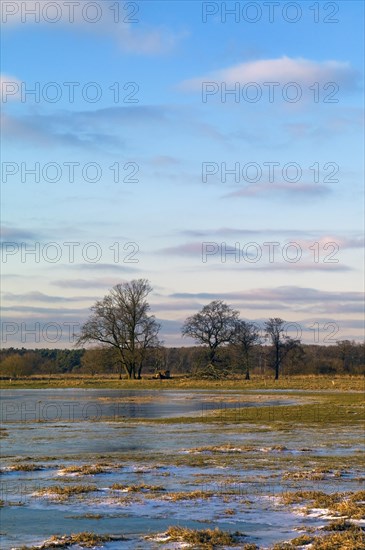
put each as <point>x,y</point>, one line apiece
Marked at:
<point>282,344</point>
<point>246,337</point>
<point>121,319</point>
<point>213,326</point>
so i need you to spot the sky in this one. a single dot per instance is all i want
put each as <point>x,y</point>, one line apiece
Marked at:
<point>214,148</point>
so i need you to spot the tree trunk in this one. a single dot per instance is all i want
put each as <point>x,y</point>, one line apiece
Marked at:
<point>211,355</point>
<point>126,369</point>
<point>247,367</point>
<point>277,362</point>
<point>139,372</point>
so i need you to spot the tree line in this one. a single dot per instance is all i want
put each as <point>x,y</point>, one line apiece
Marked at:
<point>126,340</point>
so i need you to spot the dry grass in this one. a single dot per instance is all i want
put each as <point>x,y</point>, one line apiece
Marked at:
<point>137,488</point>
<point>192,495</point>
<point>67,491</point>
<point>227,448</point>
<point>309,382</point>
<point>302,540</point>
<point>312,475</point>
<point>84,470</point>
<point>350,505</point>
<point>84,540</point>
<point>86,516</point>
<point>26,468</point>
<point>340,525</point>
<point>350,539</point>
<point>204,538</point>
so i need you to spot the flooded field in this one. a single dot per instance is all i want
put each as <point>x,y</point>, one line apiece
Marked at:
<point>129,465</point>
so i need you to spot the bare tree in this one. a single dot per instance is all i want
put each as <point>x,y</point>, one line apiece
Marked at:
<point>246,337</point>
<point>121,319</point>
<point>282,344</point>
<point>213,326</point>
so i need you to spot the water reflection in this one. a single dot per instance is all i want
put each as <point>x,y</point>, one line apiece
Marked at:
<point>72,405</point>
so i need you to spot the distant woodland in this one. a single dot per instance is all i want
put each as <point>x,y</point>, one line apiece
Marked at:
<point>345,357</point>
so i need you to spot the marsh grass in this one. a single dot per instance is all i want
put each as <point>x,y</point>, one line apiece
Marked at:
<point>137,488</point>
<point>317,474</point>
<point>42,458</point>
<point>227,448</point>
<point>351,539</point>
<point>345,536</point>
<point>204,538</point>
<point>349,505</point>
<point>84,540</point>
<point>92,469</point>
<point>86,516</point>
<point>189,495</point>
<point>67,491</point>
<point>26,468</point>
<point>302,540</point>
<point>340,525</point>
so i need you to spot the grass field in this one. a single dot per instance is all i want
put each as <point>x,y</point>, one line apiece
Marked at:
<point>319,383</point>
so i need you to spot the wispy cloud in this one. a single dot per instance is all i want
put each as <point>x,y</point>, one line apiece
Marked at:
<point>282,70</point>
<point>293,298</point>
<point>17,234</point>
<point>54,314</point>
<point>304,238</point>
<point>117,268</point>
<point>122,23</point>
<point>293,190</point>
<point>41,297</point>
<point>187,249</point>
<point>102,129</point>
<point>100,282</point>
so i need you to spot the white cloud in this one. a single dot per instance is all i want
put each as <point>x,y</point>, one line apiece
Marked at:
<point>283,70</point>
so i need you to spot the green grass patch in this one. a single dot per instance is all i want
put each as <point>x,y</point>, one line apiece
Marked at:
<point>337,408</point>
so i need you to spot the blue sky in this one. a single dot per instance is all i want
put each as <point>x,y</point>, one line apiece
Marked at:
<point>150,163</point>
